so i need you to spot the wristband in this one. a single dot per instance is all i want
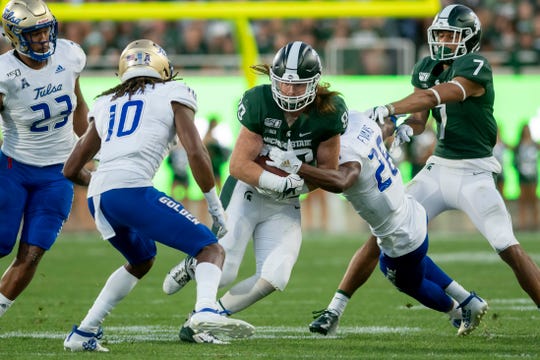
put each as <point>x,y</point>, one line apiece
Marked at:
<point>270,181</point>
<point>391,109</point>
<point>211,197</point>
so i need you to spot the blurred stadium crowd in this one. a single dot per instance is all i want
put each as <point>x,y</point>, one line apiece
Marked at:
<point>511,42</point>
<point>511,38</point>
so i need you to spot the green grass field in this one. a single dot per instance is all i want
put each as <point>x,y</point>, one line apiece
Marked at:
<point>379,323</point>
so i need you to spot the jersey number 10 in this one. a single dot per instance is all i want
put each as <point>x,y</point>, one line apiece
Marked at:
<point>126,126</point>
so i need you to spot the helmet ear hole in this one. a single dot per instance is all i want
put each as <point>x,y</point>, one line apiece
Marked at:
<point>144,58</point>
<point>21,17</point>
<point>296,65</point>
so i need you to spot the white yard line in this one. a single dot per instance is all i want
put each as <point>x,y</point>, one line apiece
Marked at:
<point>118,334</point>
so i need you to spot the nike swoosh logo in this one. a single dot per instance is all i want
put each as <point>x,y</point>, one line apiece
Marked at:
<point>304,134</point>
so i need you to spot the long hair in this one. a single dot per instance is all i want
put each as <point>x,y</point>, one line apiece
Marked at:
<point>133,86</point>
<point>323,99</point>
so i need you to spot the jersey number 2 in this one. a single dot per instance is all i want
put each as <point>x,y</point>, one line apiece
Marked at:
<point>384,180</point>
<point>40,126</point>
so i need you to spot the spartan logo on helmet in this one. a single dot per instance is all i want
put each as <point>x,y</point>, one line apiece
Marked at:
<point>296,65</point>
<point>466,29</point>
<point>144,58</point>
<point>20,18</point>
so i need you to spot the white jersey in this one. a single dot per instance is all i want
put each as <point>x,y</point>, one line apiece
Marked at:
<point>378,195</point>
<point>136,135</point>
<point>38,105</point>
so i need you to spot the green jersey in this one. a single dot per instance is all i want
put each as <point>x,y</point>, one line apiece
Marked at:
<point>465,129</point>
<point>259,113</point>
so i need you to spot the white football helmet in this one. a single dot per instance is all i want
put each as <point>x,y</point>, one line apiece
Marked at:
<point>22,17</point>
<point>296,63</point>
<point>144,58</point>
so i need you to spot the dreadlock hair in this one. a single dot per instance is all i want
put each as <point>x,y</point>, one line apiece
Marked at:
<point>134,86</point>
<point>323,99</point>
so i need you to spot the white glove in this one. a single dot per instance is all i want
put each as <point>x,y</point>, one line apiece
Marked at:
<point>279,187</point>
<point>284,160</point>
<point>378,113</point>
<point>403,135</point>
<point>215,208</point>
<point>294,186</point>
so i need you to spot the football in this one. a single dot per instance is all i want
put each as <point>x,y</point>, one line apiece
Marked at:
<point>261,160</point>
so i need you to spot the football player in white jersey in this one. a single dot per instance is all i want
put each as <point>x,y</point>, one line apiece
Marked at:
<point>134,125</point>
<point>370,181</point>
<point>43,111</point>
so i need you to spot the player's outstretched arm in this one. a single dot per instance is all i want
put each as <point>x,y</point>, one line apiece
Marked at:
<point>335,181</point>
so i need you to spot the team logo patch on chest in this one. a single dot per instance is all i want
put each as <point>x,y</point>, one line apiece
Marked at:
<point>273,123</point>
<point>14,73</point>
<point>24,83</point>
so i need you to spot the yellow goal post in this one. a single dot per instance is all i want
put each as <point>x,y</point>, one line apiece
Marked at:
<point>240,12</point>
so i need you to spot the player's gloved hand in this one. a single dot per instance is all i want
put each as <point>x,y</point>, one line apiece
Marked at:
<point>279,187</point>
<point>403,135</point>
<point>378,113</point>
<point>294,186</point>
<point>284,160</point>
<point>215,208</point>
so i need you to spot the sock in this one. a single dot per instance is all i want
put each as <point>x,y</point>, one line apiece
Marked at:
<point>119,284</point>
<point>339,302</point>
<point>5,304</point>
<point>245,293</point>
<point>207,276</point>
<point>457,291</point>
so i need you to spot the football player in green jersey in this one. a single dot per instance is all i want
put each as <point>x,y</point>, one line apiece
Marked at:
<point>455,84</point>
<point>297,112</point>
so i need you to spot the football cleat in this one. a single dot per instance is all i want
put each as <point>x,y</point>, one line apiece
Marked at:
<point>455,319</point>
<point>473,309</point>
<point>326,322</point>
<point>211,321</point>
<point>99,333</point>
<point>79,340</point>
<point>188,335</point>
<point>179,275</point>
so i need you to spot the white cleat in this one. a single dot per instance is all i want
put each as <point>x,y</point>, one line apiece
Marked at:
<point>456,317</point>
<point>209,320</point>
<point>188,335</point>
<point>79,340</point>
<point>473,309</point>
<point>179,275</point>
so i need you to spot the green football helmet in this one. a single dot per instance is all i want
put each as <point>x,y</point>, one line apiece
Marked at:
<point>466,29</point>
<point>296,63</point>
